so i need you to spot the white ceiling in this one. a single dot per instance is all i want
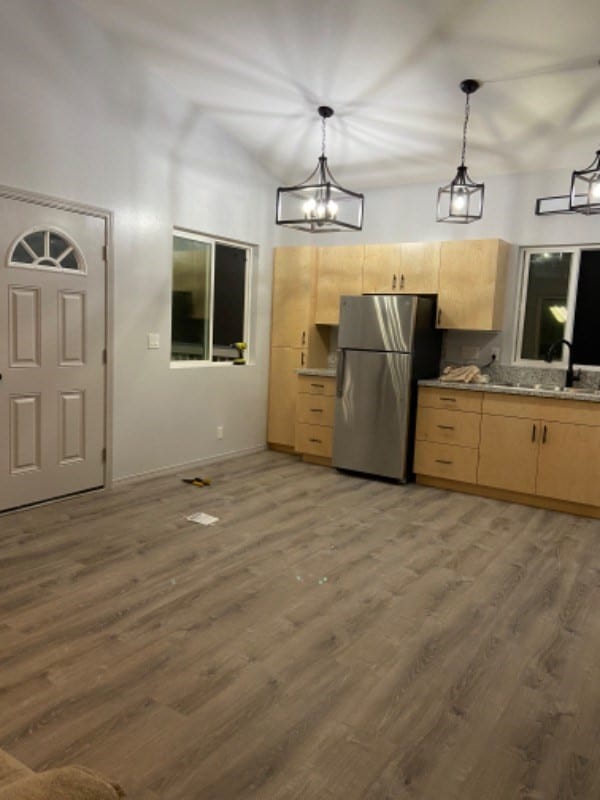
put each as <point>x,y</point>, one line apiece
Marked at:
<point>391,70</point>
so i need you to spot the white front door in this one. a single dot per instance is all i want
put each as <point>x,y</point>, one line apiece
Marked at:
<point>52,352</point>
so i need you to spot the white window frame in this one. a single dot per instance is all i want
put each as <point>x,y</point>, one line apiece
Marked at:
<point>571,299</point>
<point>213,241</point>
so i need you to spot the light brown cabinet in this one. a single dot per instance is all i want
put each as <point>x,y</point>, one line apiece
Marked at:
<point>542,451</point>
<point>472,283</point>
<point>314,416</point>
<point>295,340</point>
<point>547,448</point>
<point>447,434</point>
<point>293,288</point>
<point>339,271</point>
<point>405,268</point>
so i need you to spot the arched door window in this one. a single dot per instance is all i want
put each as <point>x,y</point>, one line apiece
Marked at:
<point>46,248</point>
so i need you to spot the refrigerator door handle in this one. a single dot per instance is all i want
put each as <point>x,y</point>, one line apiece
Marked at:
<point>340,373</point>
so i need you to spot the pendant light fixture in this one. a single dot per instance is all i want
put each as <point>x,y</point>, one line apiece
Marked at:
<point>584,197</point>
<point>319,204</point>
<point>462,199</point>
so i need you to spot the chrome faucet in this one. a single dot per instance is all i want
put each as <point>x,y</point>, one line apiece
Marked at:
<point>572,375</point>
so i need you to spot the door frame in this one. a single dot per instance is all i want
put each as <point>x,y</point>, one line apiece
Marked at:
<point>23,195</point>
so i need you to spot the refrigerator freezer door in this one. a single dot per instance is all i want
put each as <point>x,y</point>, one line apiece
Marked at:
<point>377,322</point>
<point>372,412</point>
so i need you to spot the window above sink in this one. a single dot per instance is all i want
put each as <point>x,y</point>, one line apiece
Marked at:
<point>559,299</point>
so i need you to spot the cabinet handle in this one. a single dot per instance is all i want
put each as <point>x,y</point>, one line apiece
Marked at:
<point>545,434</point>
<point>394,282</point>
<point>302,359</point>
<point>402,281</point>
<point>315,441</point>
<point>533,433</point>
<point>303,337</point>
<point>446,427</point>
<point>442,461</point>
<point>317,410</point>
<point>318,385</point>
<point>439,316</point>
<point>449,399</point>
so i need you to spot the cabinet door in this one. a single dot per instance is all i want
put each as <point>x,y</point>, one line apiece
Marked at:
<point>508,453</point>
<point>406,268</point>
<point>293,276</point>
<point>472,283</point>
<point>381,268</point>
<point>569,463</point>
<point>283,384</point>
<point>339,271</point>
<point>419,268</point>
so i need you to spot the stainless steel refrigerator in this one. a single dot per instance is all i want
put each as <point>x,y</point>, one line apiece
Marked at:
<point>385,344</point>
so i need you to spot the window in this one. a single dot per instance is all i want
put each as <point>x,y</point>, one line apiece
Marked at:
<point>209,309</point>
<point>45,248</point>
<point>559,300</point>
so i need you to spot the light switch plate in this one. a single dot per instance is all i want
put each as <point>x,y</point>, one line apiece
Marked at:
<point>153,341</point>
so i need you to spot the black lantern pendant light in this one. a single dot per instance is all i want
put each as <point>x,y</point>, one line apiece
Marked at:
<point>462,199</point>
<point>319,204</point>
<point>584,197</point>
<point>585,188</point>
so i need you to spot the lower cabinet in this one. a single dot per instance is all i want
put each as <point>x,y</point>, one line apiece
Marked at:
<point>447,434</point>
<point>283,386</point>
<point>542,457</point>
<point>543,449</point>
<point>314,416</point>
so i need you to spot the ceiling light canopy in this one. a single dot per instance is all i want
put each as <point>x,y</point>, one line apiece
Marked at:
<point>319,204</point>
<point>584,197</point>
<point>462,199</point>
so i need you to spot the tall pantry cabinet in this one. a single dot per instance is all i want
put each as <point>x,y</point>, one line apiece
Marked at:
<point>295,340</point>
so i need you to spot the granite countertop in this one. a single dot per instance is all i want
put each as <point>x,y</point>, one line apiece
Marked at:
<point>316,372</point>
<point>537,390</point>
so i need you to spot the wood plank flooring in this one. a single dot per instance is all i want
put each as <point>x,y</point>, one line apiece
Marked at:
<point>330,637</point>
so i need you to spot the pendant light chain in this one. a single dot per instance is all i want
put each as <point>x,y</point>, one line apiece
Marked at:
<point>465,125</point>
<point>323,135</point>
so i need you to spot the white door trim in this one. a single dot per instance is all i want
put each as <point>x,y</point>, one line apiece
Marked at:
<point>12,193</point>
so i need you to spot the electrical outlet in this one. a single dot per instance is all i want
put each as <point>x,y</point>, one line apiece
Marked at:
<point>495,354</point>
<point>220,432</point>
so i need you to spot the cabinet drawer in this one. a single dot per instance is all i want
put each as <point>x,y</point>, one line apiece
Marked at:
<point>457,399</point>
<point>315,409</point>
<point>448,427</point>
<point>446,461</point>
<point>312,384</point>
<point>315,440</point>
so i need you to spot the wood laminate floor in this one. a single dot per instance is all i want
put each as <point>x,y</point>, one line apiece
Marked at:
<point>330,637</point>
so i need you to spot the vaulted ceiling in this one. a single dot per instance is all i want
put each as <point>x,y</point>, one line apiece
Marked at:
<point>391,70</point>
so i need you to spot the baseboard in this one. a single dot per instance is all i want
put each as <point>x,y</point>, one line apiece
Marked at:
<point>174,468</point>
<point>563,506</point>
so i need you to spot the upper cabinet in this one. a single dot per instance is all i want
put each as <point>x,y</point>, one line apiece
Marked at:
<point>339,272</point>
<point>293,282</point>
<point>472,284</point>
<point>406,268</point>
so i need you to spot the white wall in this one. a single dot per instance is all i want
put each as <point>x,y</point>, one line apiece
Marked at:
<point>407,213</point>
<point>82,121</point>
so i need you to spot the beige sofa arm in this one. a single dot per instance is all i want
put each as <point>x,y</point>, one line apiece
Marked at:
<point>65,783</point>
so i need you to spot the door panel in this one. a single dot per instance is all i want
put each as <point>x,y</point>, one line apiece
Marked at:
<point>508,452</point>
<point>371,415</point>
<point>52,340</point>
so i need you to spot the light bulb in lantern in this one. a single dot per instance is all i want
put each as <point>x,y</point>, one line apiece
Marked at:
<point>332,209</point>
<point>309,207</point>
<point>595,188</point>
<point>459,202</point>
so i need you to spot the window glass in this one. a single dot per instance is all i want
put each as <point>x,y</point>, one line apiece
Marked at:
<point>586,330</point>
<point>209,299</point>
<point>546,303</point>
<point>190,322</point>
<point>229,300</point>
